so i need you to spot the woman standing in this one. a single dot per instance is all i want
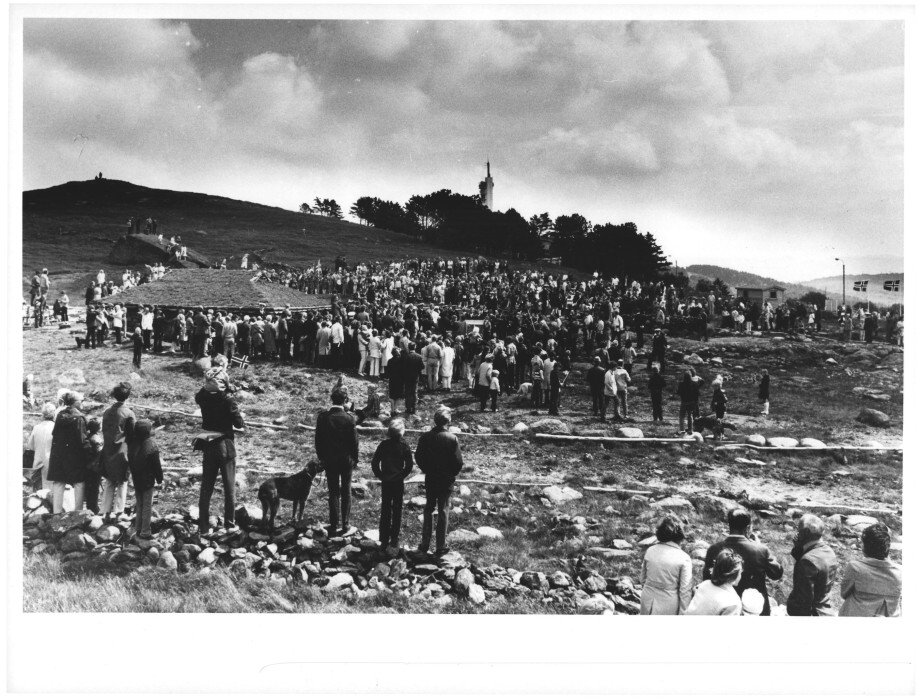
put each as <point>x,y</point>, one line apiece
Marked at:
<point>39,442</point>
<point>363,339</point>
<point>667,572</point>
<point>270,330</point>
<point>70,451</point>
<point>871,587</point>
<point>396,380</point>
<point>717,596</point>
<point>117,428</point>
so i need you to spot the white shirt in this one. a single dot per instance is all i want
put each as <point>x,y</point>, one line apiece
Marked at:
<point>40,441</point>
<point>338,333</point>
<point>147,321</point>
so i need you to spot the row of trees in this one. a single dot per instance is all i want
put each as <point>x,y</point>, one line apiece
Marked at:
<point>453,220</point>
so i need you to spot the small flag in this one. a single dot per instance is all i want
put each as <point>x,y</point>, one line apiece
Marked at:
<point>860,286</point>
<point>892,285</point>
<point>241,361</point>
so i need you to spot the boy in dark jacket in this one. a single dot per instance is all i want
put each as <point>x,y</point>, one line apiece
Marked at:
<point>392,463</point>
<point>146,471</point>
<point>138,340</point>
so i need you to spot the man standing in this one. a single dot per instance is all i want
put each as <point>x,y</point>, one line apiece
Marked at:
<point>221,417</point>
<point>283,337</point>
<point>656,390</point>
<point>147,327</point>
<point>432,355</point>
<point>336,441</point>
<point>90,327</point>
<point>759,563</point>
<point>814,573</point>
<point>622,379</point>
<point>659,347</point>
<point>412,369</point>
<point>438,456</point>
<point>336,341</point>
<point>199,333</point>
<point>596,385</point>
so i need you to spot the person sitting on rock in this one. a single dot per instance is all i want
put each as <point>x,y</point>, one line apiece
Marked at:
<point>371,410</point>
<point>717,596</point>
<point>871,587</point>
<point>392,463</point>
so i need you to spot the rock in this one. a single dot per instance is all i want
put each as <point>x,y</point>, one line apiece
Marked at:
<point>461,537</point>
<point>830,361</point>
<point>62,522</point>
<point>879,397</point>
<point>76,541</point>
<point>359,488</point>
<point>489,533</point>
<point>635,504</point>
<point>465,491</point>
<point>675,503</point>
<point>280,420</point>
<point>560,579</point>
<point>595,583</point>
<point>860,522</point>
<point>476,594</point>
<point>248,514</point>
<point>454,429</point>
<point>872,443</point>
<point>452,560</point>
<point>194,472</point>
<point>535,580</point>
<point>874,418</point>
<point>372,535</point>
<point>107,533</point>
<point>811,442</point>
<point>561,495</point>
<point>715,506</point>
<point>239,568</point>
<point>463,580</point>
<point>609,553</point>
<point>782,442</point>
<point>72,376</point>
<point>621,544</point>
<point>95,523</point>
<point>633,433</point>
<point>550,426</point>
<point>339,581</point>
<point>240,481</point>
<point>685,462</point>
<point>695,359</point>
<point>520,429</point>
<point>699,553</point>
<point>697,437</point>
<point>153,555</point>
<point>755,439</point>
<point>207,556</point>
<point>595,605</point>
<point>418,501</point>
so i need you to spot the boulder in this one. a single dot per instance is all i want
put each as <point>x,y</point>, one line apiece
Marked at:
<point>461,537</point>
<point>595,583</point>
<point>207,556</point>
<point>830,361</point>
<point>76,541</point>
<point>465,491</point>
<point>758,440</point>
<point>560,579</point>
<point>782,442</point>
<point>107,533</point>
<point>697,437</point>
<point>550,426</point>
<point>248,514</point>
<point>635,504</point>
<point>874,418</point>
<point>695,359</point>
<point>463,580</point>
<point>811,442</point>
<point>476,594</point>
<point>535,581</point>
<point>339,581</point>
<point>675,503</point>
<point>621,544</point>
<point>879,397</point>
<point>633,433</point>
<point>559,495</point>
<point>595,605</point>
<point>609,553</point>
<point>72,376</point>
<point>860,522</point>
<point>489,533</point>
<point>715,506</point>
<point>520,429</point>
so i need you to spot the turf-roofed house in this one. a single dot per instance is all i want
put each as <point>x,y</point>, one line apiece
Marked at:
<point>237,291</point>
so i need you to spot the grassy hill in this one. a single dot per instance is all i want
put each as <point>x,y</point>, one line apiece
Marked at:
<point>737,278</point>
<point>71,228</point>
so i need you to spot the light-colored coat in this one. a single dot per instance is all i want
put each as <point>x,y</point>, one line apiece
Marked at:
<point>710,599</point>
<point>667,578</point>
<point>871,588</point>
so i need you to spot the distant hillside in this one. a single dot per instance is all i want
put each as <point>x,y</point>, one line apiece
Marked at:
<point>71,228</point>
<point>876,290</point>
<point>737,278</point>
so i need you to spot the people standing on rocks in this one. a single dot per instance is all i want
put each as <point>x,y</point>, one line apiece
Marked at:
<point>392,463</point>
<point>70,451</point>
<point>413,366</point>
<point>759,563</point>
<point>667,572</point>
<point>438,457</point>
<point>93,467</point>
<point>717,595</point>
<point>221,419</point>
<point>656,386</point>
<point>117,431</point>
<point>763,392</point>
<point>146,473</point>
<point>336,442</point>
<point>39,443</point>
<point>871,587</point>
<point>815,570</point>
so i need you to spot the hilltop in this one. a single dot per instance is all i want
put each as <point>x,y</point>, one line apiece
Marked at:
<point>737,278</point>
<point>71,228</point>
<point>876,289</point>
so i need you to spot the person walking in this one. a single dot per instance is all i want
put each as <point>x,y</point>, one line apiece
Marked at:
<point>118,423</point>
<point>438,457</point>
<point>336,443</point>
<point>392,463</point>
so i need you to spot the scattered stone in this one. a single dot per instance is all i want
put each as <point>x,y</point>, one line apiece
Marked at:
<point>675,503</point>
<point>627,432</point>
<point>694,359</point>
<point>715,506</point>
<point>550,426</point>
<point>811,442</point>
<point>758,440</point>
<point>418,501</point>
<point>207,556</point>
<point>560,579</point>
<point>520,429</point>
<point>831,361</point>
<point>860,522</point>
<point>461,536</point>
<point>489,533</point>
<point>463,580</point>
<point>76,541</point>
<point>465,491</point>
<point>561,495</point>
<point>339,581</point>
<point>621,544</point>
<point>535,581</point>
<point>609,553</point>
<point>635,504</point>
<point>782,442</point>
<point>595,605</point>
<point>476,594</point>
<point>874,418</point>
<point>107,533</point>
<point>686,462</point>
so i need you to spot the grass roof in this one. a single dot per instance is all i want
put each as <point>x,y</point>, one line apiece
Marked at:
<point>216,289</point>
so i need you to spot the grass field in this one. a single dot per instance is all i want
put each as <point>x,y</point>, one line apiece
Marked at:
<point>810,399</point>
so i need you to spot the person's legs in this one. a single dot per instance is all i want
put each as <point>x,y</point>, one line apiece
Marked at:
<point>347,470</point>
<point>228,476</point>
<point>397,489</point>
<point>604,405</point>
<point>210,468</point>
<point>386,511</point>
<point>79,491</point>
<point>684,412</point>
<point>428,515</point>
<point>57,496</point>
<point>108,496</point>
<point>493,394</point>
<point>333,481</point>
<point>91,491</point>
<point>443,497</point>
<point>143,506</point>
<point>624,402</point>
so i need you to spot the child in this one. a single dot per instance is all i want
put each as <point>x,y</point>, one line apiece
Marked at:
<point>217,379</point>
<point>392,463</point>
<point>764,393</point>
<point>27,395</point>
<point>93,467</point>
<point>495,388</point>
<point>138,341</point>
<point>146,471</point>
<point>718,404</point>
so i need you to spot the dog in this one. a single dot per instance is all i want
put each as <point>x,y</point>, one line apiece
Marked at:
<point>526,389</point>
<point>714,425</point>
<point>295,488</point>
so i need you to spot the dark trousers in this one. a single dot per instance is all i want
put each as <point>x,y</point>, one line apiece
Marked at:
<point>158,342</point>
<point>493,395</point>
<point>536,395</point>
<point>335,355</point>
<point>411,397</point>
<point>118,336</point>
<point>146,336</point>
<point>219,458</point>
<point>91,490</point>
<point>391,503</point>
<point>90,341</point>
<point>657,413</point>
<point>100,336</point>
<point>597,399</point>
<point>437,491</point>
<point>143,510</point>
<point>554,402</point>
<point>338,479</point>
<point>616,407</point>
<point>137,357</point>
<point>284,349</point>
<point>65,317</point>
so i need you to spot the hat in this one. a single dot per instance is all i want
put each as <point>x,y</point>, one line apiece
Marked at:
<point>752,602</point>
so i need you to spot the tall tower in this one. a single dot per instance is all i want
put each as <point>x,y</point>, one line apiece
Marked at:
<point>485,188</point>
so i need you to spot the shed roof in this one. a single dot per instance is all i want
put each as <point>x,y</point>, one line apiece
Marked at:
<point>217,289</point>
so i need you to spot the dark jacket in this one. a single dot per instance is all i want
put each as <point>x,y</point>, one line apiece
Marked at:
<point>414,365</point>
<point>689,392</point>
<point>336,436</point>
<point>812,579</point>
<point>596,378</point>
<point>719,400</point>
<point>70,447</point>
<point>656,385</point>
<point>395,373</point>
<point>438,454</point>
<point>219,413</point>
<point>144,458</point>
<point>764,392</point>
<point>117,429</point>
<point>759,564</point>
<point>392,461</point>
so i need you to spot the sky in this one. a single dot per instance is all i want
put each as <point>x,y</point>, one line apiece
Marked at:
<point>767,146</point>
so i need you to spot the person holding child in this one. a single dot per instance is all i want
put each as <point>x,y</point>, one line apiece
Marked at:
<point>392,463</point>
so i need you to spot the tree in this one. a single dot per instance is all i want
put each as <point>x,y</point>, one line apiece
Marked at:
<point>363,209</point>
<point>569,233</point>
<point>306,208</point>
<point>327,207</point>
<point>816,298</point>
